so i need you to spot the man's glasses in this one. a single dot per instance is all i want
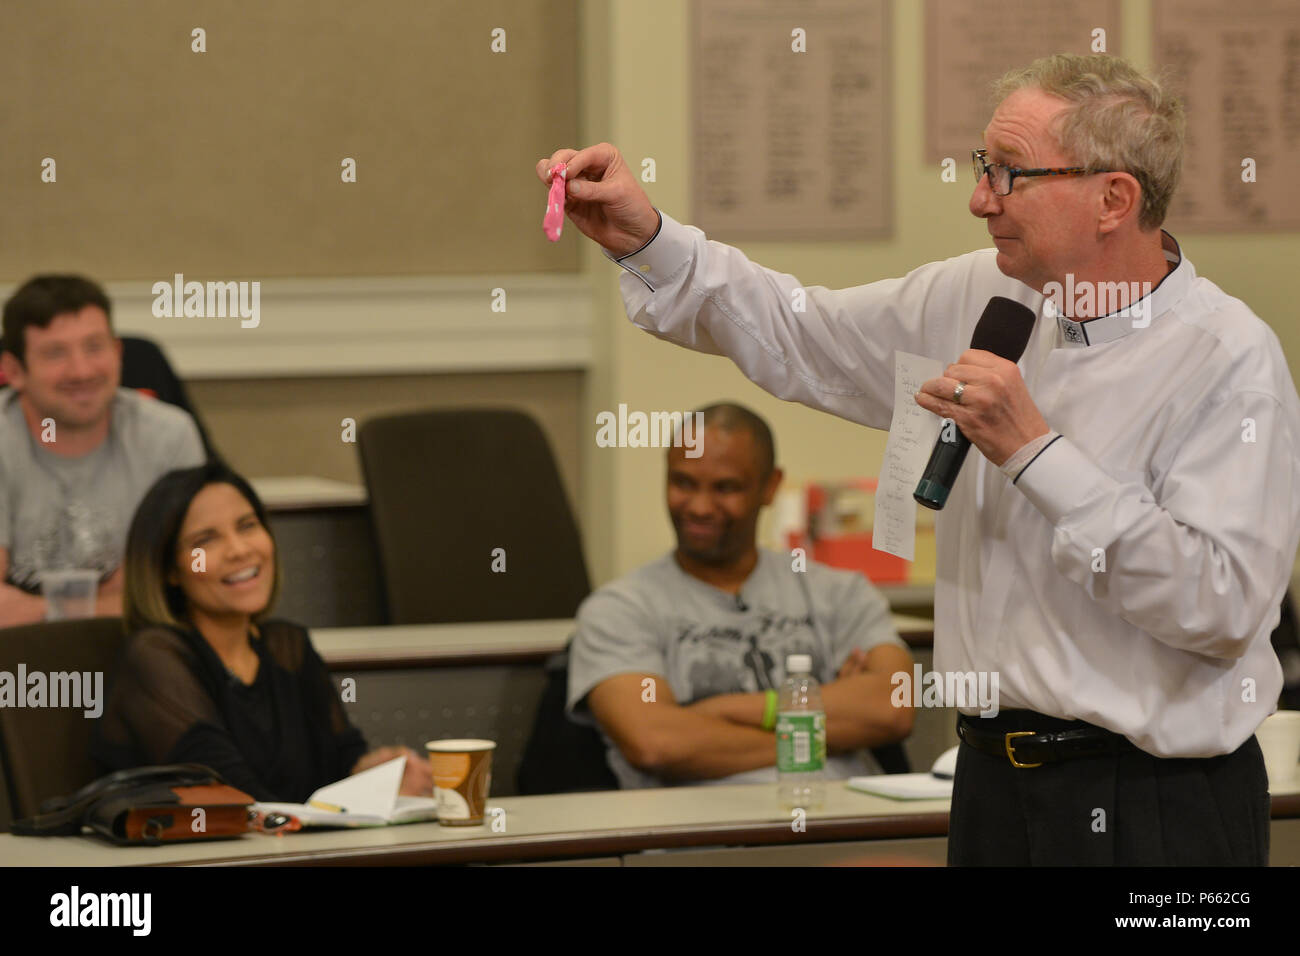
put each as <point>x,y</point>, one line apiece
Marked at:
<point>1001,177</point>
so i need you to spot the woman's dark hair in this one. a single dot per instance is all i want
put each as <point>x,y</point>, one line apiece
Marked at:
<point>149,599</point>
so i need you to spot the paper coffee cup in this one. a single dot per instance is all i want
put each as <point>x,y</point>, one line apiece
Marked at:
<point>462,778</point>
<point>1279,739</point>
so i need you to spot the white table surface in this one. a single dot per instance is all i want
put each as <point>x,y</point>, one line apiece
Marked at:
<point>624,813</point>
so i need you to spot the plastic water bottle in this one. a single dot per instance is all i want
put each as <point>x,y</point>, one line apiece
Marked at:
<point>800,737</point>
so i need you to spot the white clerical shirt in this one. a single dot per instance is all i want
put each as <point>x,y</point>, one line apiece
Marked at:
<point>1133,572</point>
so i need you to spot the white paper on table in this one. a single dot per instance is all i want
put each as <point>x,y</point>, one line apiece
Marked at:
<point>372,792</point>
<point>912,435</point>
<point>367,799</point>
<point>903,786</point>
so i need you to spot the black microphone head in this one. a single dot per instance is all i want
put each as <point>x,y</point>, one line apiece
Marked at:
<point>1004,328</point>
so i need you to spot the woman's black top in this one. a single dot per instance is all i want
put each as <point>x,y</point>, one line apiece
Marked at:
<point>279,739</point>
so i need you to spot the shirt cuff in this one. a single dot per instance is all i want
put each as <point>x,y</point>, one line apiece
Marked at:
<point>1014,465</point>
<point>1060,478</point>
<point>668,250</point>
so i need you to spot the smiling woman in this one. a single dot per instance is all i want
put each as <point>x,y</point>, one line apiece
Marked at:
<point>206,677</point>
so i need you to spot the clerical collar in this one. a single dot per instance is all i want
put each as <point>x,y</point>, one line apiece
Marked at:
<point>1144,304</point>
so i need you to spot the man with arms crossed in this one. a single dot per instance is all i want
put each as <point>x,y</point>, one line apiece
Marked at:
<point>1118,551</point>
<point>712,623</point>
<point>77,453</point>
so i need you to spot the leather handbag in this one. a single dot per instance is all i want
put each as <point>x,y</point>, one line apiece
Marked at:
<point>150,805</point>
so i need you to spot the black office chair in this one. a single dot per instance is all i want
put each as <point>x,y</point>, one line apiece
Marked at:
<point>457,493</point>
<point>892,758</point>
<point>561,756</point>
<point>146,369</point>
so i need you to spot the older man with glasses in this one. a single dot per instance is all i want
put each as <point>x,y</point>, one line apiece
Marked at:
<point>1119,551</point>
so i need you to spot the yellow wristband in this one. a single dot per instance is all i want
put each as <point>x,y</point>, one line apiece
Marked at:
<point>769,711</point>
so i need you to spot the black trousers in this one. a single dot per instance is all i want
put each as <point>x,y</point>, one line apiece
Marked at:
<point>1125,809</point>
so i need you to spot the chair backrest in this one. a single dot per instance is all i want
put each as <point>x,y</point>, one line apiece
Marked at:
<point>562,756</point>
<point>46,749</point>
<point>146,369</point>
<point>892,757</point>
<point>330,567</point>
<point>471,519</point>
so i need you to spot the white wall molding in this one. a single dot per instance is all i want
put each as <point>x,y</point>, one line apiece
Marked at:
<point>373,326</point>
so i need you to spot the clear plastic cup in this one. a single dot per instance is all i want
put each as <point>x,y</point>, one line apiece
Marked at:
<point>69,594</point>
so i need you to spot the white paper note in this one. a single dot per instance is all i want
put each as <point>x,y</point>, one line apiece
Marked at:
<point>372,792</point>
<point>912,435</point>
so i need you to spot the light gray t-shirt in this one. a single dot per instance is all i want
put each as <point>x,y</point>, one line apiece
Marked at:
<point>58,512</point>
<point>661,620</point>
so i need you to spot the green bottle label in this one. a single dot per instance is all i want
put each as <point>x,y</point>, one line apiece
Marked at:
<point>800,742</point>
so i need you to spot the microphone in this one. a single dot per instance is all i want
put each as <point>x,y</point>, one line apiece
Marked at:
<point>1004,330</point>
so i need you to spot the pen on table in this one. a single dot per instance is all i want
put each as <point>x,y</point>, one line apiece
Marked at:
<point>322,805</point>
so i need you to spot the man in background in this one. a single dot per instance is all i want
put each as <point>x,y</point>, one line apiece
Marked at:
<point>712,623</point>
<point>77,453</point>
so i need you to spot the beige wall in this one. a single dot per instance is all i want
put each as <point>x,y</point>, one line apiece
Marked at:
<point>649,116</point>
<point>227,164</point>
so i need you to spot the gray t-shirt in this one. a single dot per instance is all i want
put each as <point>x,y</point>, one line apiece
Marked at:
<point>661,620</point>
<point>58,512</point>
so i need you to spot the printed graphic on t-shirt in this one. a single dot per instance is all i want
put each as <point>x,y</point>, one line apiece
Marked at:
<point>84,536</point>
<point>742,659</point>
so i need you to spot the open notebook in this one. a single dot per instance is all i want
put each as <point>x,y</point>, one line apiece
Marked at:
<point>366,799</point>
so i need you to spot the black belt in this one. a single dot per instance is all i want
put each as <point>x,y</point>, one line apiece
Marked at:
<point>1027,748</point>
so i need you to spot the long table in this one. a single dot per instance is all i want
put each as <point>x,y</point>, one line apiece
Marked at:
<point>698,825</point>
<point>592,826</point>
<point>691,825</point>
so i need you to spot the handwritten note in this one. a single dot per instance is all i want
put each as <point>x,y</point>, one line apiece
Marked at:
<point>912,435</point>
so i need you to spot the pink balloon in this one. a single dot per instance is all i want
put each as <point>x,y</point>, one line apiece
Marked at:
<point>553,222</point>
